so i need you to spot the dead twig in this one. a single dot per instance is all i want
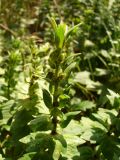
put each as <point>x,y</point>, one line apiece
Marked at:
<point>7,29</point>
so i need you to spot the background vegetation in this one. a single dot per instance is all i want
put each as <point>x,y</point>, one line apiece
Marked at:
<point>60,80</point>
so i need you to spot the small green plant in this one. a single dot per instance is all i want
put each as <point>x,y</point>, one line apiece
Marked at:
<point>45,137</point>
<point>12,71</point>
<point>60,68</point>
<point>53,102</point>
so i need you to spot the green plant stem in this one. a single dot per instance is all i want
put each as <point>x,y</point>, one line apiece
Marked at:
<point>8,90</point>
<point>55,99</point>
<point>55,104</point>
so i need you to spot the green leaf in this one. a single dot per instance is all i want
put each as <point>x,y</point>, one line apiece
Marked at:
<point>84,105</point>
<point>56,112</point>
<point>61,32</point>
<point>112,150</point>
<point>63,100</point>
<point>72,143</point>
<point>73,128</point>
<point>47,98</point>
<point>6,111</point>
<point>85,79</point>
<point>116,103</point>
<point>27,139</point>
<point>68,117</point>
<point>86,153</point>
<point>117,122</point>
<point>62,140</point>
<point>27,156</point>
<point>28,103</point>
<point>92,131</point>
<point>57,150</point>
<point>71,30</point>
<point>2,99</point>
<point>70,67</point>
<point>60,146</point>
<point>19,127</point>
<point>60,35</point>
<point>113,98</point>
<point>101,72</point>
<point>41,123</point>
<point>1,157</point>
<point>54,25</point>
<point>64,96</point>
<point>105,116</point>
<point>43,144</point>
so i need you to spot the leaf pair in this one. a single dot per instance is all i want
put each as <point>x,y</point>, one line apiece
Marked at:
<point>62,32</point>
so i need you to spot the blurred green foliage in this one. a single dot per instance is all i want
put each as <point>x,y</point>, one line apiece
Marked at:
<point>59,83</point>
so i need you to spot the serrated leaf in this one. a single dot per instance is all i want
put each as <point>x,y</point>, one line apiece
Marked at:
<point>105,116</point>
<point>72,143</point>
<point>71,151</point>
<point>73,128</point>
<point>84,105</point>
<point>93,135</point>
<point>92,131</point>
<point>47,98</point>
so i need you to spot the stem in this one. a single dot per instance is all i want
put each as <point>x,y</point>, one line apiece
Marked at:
<point>54,121</point>
<point>55,99</point>
<point>23,64</point>
<point>8,90</point>
<point>8,83</point>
